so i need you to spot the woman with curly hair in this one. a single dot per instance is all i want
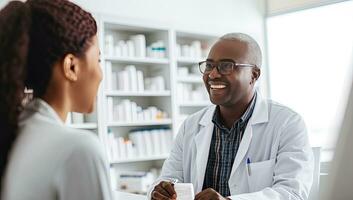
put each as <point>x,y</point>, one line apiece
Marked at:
<point>50,47</point>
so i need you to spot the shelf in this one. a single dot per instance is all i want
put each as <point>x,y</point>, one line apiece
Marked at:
<point>191,79</point>
<point>140,159</point>
<point>138,60</point>
<point>84,126</point>
<point>117,93</point>
<point>186,60</point>
<point>146,123</point>
<point>195,104</point>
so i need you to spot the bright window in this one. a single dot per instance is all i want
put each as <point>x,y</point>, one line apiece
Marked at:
<point>310,54</point>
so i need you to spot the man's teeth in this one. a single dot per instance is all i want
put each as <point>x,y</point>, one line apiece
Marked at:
<point>218,86</point>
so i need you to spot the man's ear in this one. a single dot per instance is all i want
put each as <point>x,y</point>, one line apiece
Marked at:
<point>256,72</point>
<point>70,67</point>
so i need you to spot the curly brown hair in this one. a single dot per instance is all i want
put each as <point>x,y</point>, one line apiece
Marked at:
<point>33,37</point>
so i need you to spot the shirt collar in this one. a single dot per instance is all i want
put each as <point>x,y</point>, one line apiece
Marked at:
<point>244,118</point>
<point>41,107</point>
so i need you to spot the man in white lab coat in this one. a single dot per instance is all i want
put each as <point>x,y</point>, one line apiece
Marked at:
<point>244,147</point>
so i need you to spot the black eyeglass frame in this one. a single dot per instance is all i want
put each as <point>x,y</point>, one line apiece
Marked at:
<point>235,64</point>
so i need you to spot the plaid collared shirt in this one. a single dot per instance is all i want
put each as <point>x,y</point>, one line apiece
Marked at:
<point>223,149</point>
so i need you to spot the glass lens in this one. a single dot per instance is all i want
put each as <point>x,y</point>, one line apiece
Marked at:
<point>206,66</point>
<point>225,67</point>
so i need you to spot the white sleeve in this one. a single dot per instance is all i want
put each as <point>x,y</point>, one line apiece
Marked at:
<point>293,173</point>
<point>173,165</point>
<point>84,175</point>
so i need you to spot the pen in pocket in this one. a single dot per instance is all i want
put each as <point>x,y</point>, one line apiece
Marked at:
<point>248,166</point>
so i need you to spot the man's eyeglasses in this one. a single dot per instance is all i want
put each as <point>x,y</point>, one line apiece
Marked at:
<point>223,67</point>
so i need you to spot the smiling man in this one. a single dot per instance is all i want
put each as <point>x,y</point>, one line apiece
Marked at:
<point>244,147</point>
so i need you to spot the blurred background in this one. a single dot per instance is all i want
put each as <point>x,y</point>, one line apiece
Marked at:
<point>150,50</point>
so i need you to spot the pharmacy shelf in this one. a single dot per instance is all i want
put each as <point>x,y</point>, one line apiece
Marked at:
<point>117,93</point>
<point>167,67</point>
<point>137,60</point>
<point>191,79</point>
<point>185,60</point>
<point>84,126</point>
<point>140,159</point>
<point>145,123</point>
<point>195,104</point>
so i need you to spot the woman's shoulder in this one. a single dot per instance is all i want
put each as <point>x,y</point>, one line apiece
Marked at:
<point>82,140</point>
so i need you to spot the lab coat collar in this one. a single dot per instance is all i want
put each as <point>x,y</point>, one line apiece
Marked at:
<point>204,136</point>
<point>260,114</point>
<point>38,105</point>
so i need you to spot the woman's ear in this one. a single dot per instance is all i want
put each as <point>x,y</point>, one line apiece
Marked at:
<point>70,67</point>
<point>256,72</point>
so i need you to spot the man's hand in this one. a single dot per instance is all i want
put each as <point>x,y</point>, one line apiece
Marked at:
<point>209,194</point>
<point>164,191</point>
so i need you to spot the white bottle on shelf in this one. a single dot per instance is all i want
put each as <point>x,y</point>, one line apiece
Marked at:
<point>140,45</point>
<point>123,80</point>
<point>178,51</point>
<point>110,110</point>
<point>130,48</point>
<point>132,74</point>
<point>108,72</point>
<point>148,141</point>
<point>134,112</point>
<point>140,81</point>
<point>109,44</point>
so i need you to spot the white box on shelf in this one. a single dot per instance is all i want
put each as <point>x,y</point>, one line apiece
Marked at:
<point>136,182</point>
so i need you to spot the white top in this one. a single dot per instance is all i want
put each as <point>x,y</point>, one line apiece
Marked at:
<point>51,161</point>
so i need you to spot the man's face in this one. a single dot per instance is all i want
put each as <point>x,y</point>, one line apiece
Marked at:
<point>228,90</point>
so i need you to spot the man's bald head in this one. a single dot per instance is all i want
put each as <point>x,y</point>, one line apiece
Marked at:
<point>254,51</point>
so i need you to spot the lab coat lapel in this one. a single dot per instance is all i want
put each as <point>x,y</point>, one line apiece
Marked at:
<point>243,148</point>
<point>202,141</point>
<point>260,115</point>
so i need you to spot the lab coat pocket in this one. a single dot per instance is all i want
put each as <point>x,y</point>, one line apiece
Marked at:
<point>261,175</point>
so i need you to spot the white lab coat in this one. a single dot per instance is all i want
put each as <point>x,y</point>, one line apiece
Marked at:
<point>275,141</point>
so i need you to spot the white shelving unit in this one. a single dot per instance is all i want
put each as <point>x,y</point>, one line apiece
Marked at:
<point>117,93</point>
<point>141,123</point>
<point>191,93</point>
<point>140,159</point>
<point>83,121</point>
<point>137,60</point>
<point>88,126</point>
<point>166,99</point>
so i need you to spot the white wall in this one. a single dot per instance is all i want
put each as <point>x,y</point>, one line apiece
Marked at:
<point>282,6</point>
<point>209,16</point>
<point>199,15</point>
